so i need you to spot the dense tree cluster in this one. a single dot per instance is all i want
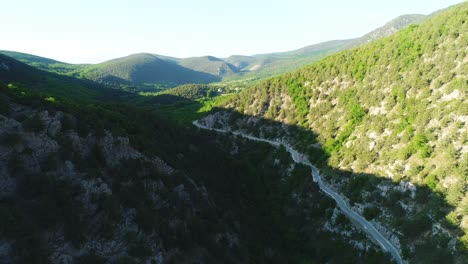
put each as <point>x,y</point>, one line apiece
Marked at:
<point>395,107</point>
<point>249,190</point>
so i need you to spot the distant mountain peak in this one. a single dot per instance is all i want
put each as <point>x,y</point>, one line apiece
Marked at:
<point>212,58</point>
<point>389,28</point>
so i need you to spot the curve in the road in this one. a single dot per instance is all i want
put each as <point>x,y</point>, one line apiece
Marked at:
<point>355,217</point>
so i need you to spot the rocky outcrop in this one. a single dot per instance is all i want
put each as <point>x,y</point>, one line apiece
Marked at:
<point>116,149</point>
<point>91,164</point>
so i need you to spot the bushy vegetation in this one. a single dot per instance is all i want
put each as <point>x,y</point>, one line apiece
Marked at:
<point>251,191</point>
<point>394,108</point>
<point>34,124</point>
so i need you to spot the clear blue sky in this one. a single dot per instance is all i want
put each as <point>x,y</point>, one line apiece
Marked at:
<point>97,30</point>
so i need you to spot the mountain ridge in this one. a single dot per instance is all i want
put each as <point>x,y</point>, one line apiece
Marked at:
<point>170,71</point>
<point>389,28</point>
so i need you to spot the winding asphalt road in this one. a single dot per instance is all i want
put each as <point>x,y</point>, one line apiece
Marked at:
<point>355,217</point>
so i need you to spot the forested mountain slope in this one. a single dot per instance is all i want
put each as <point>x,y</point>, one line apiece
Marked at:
<point>98,181</point>
<point>395,108</point>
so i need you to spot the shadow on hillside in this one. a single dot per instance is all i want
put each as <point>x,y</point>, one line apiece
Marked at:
<point>414,209</point>
<point>360,188</point>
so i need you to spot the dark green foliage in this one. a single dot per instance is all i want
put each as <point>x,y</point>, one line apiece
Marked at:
<point>422,195</point>
<point>68,123</point>
<point>144,72</point>
<point>31,249</point>
<point>34,124</point>
<point>15,164</point>
<point>126,260</point>
<point>91,257</point>
<point>341,219</point>
<point>371,212</point>
<point>296,91</point>
<point>414,226</point>
<point>435,251</point>
<point>4,105</point>
<point>55,196</point>
<point>110,208</point>
<point>10,139</point>
<point>357,184</point>
<point>50,164</point>
<point>24,219</point>
<point>7,217</point>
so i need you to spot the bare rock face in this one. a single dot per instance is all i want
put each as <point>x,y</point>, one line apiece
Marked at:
<point>181,192</point>
<point>162,166</point>
<point>216,120</point>
<point>116,149</point>
<point>8,124</point>
<point>41,145</point>
<point>51,122</point>
<point>67,169</point>
<point>78,144</point>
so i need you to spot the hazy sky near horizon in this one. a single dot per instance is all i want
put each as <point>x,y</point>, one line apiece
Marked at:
<point>90,31</point>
